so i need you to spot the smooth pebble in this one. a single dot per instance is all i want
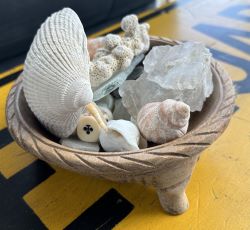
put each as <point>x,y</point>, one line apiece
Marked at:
<point>75,143</point>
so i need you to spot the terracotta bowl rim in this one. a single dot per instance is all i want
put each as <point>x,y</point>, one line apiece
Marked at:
<point>216,68</point>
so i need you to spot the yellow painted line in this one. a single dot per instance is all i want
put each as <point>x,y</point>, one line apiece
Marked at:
<point>178,24</point>
<point>13,159</point>
<point>218,191</point>
<point>236,73</point>
<point>11,71</point>
<point>241,39</point>
<point>64,196</point>
<point>159,7</point>
<point>219,188</point>
<point>140,15</point>
<point>106,30</point>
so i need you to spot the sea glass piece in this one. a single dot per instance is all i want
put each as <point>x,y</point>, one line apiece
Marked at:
<point>133,76</point>
<point>117,80</point>
<point>120,112</point>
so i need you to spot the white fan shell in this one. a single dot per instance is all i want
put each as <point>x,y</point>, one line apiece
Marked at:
<point>56,73</point>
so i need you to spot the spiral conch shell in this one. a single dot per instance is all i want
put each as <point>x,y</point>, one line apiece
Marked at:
<point>160,122</point>
<point>56,73</point>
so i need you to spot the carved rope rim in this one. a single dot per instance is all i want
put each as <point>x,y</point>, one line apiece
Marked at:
<point>144,160</point>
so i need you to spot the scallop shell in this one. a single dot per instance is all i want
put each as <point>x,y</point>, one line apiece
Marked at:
<point>122,135</point>
<point>160,122</point>
<point>56,73</point>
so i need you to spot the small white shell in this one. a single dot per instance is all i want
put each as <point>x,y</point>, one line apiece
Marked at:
<point>160,122</point>
<point>122,135</point>
<point>56,73</point>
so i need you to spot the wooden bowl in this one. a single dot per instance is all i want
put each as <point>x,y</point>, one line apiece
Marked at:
<point>167,167</point>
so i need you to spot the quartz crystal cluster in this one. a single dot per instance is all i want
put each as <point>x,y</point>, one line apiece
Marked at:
<point>180,72</point>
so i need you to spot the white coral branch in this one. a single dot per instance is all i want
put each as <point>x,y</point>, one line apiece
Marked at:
<point>118,52</point>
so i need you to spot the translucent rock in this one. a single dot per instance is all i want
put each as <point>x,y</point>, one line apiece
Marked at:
<point>116,81</point>
<point>107,101</point>
<point>136,73</point>
<point>75,143</point>
<point>179,72</point>
<point>133,76</point>
<point>116,94</point>
<point>119,111</point>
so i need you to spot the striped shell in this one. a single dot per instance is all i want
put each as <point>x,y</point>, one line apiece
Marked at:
<point>160,122</point>
<point>56,73</point>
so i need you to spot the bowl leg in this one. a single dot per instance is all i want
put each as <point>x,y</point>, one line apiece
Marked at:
<point>174,199</point>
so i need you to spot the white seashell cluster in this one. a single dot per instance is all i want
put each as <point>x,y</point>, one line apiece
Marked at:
<point>56,73</point>
<point>118,52</point>
<point>160,122</point>
<point>122,135</point>
<point>58,79</point>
